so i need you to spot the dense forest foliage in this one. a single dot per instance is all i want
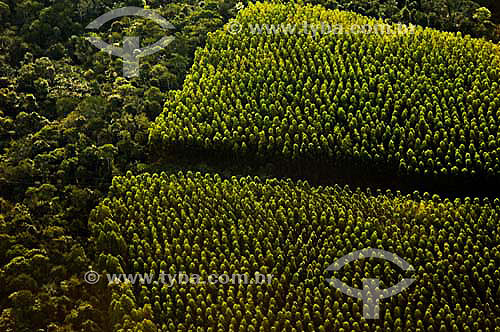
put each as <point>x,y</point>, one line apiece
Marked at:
<point>204,224</point>
<point>69,123</point>
<point>472,17</point>
<point>425,103</point>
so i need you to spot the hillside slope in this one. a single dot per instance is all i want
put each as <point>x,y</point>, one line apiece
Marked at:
<point>424,103</point>
<point>204,224</point>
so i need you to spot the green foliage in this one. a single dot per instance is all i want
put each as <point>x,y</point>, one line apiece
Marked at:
<point>4,10</point>
<point>204,224</point>
<point>448,15</point>
<point>394,101</point>
<point>38,268</point>
<point>69,123</point>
